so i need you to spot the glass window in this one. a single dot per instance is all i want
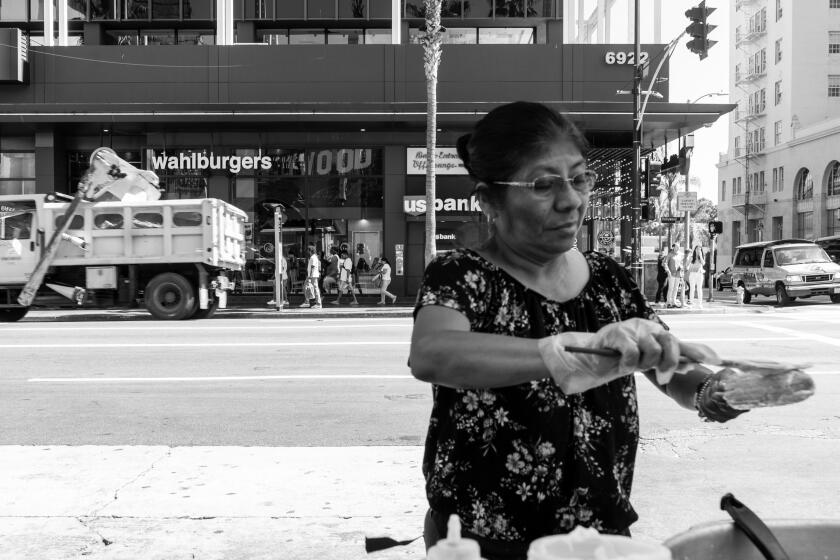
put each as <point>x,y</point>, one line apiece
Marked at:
<point>479,9</point>
<point>166,9</point>
<point>253,9</point>
<point>777,133</point>
<point>778,50</point>
<point>157,36</point>
<point>352,9</point>
<point>17,186</point>
<point>122,37</point>
<point>99,9</point>
<point>805,185</point>
<point>77,10</point>
<point>380,9</point>
<point>833,186</point>
<point>273,36</point>
<point>805,225</point>
<point>506,35</point>
<point>290,9</point>
<point>320,9</point>
<point>834,3</point>
<point>834,85</point>
<point>16,223</point>
<point>198,9</point>
<point>345,36</point>
<point>17,165</point>
<point>307,37</point>
<point>196,37</point>
<point>723,190</point>
<point>77,222</point>
<point>13,11</point>
<point>510,8</point>
<point>460,36</point>
<point>136,9</point>
<point>377,36</point>
<point>777,232</point>
<point>834,42</point>
<point>778,92</point>
<point>834,222</point>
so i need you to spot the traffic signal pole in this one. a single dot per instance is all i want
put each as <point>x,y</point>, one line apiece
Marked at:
<point>636,264</point>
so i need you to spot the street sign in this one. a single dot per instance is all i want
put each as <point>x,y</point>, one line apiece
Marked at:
<point>670,219</point>
<point>686,201</point>
<point>606,238</point>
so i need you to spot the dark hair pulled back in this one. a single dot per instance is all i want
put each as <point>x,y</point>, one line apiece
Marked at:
<point>509,136</point>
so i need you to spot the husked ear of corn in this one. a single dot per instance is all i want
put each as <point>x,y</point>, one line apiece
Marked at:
<point>757,387</point>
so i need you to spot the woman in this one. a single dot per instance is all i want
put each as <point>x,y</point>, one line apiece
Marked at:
<point>695,278</point>
<point>345,278</point>
<point>385,274</point>
<point>526,438</point>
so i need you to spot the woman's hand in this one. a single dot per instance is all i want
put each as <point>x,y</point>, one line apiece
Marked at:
<point>642,345</point>
<point>710,402</point>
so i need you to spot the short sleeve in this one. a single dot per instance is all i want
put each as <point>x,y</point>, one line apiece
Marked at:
<point>456,281</point>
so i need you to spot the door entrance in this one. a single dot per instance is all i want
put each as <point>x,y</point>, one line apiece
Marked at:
<point>18,225</point>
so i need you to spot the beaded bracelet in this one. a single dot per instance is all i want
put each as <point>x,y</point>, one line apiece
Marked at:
<point>701,388</point>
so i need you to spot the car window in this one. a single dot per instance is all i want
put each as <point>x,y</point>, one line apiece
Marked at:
<point>768,259</point>
<point>801,255</point>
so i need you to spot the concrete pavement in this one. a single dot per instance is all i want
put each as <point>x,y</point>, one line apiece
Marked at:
<point>238,503</point>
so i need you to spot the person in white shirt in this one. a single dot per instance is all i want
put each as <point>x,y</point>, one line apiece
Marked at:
<point>310,286</point>
<point>695,278</point>
<point>345,278</point>
<point>385,274</point>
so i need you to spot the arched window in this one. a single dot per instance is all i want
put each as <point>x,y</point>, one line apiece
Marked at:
<point>832,185</point>
<point>804,185</point>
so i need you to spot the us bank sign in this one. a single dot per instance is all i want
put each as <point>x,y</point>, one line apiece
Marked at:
<point>416,205</point>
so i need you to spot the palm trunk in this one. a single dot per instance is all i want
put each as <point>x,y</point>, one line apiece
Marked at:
<point>431,61</point>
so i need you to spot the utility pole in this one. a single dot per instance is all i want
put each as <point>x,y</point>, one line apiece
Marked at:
<point>635,205</point>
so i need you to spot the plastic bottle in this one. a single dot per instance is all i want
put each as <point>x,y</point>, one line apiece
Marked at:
<point>453,547</point>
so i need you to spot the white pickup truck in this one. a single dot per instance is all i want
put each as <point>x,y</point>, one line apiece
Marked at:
<point>174,256</point>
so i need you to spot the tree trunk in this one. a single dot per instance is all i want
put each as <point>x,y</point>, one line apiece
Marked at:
<point>431,41</point>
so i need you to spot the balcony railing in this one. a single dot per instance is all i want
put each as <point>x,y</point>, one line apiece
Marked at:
<point>750,77</point>
<point>756,198</point>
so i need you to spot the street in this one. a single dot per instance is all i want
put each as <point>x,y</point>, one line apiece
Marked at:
<point>337,393</point>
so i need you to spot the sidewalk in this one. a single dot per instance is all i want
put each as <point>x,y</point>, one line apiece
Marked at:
<point>252,503</point>
<point>254,309</point>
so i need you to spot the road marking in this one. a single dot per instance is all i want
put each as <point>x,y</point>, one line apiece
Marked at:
<point>211,344</point>
<point>216,378</point>
<point>191,328</point>
<point>809,336</point>
<point>731,339</point>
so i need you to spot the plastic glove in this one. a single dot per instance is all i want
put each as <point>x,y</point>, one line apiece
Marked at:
<point>643,344</point>
<point>709,401</point>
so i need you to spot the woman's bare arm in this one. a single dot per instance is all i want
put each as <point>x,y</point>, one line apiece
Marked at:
<point>444,351</point>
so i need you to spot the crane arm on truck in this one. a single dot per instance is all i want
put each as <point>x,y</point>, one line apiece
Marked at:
<point>109,177</point>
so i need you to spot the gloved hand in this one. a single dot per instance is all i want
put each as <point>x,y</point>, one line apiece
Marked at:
<point>709,401</point>
<point>643,345</point>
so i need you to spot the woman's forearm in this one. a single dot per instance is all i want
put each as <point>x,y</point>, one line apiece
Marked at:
<point>462,359</point>
<point>682,387</point>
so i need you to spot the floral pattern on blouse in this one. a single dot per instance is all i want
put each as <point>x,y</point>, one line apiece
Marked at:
<point>520,462</point>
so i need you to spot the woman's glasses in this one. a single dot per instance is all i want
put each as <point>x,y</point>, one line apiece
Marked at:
<point>582,183</point>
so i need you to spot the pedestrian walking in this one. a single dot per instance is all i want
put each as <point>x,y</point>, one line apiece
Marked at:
<point>662,276</point>
<point>695,277</point>
<point>345,278</point>
<point>384,281</point>
<point>526,438</point>
<point>331,271</point>
<point>310,285</point>
<point>674,264</point>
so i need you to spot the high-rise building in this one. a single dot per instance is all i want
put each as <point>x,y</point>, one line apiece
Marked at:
<point>780,177</point>
<point>316,104</point>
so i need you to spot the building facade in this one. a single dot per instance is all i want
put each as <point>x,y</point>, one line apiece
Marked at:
<point>315,104</point>
<point>781,175</point>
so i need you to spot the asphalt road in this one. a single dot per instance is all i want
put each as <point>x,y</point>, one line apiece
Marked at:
<point>330,382</point>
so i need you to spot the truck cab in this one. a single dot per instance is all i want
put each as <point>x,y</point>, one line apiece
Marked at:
<point>19,248</point>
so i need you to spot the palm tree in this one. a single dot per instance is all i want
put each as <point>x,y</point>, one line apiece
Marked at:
<point>431,40</point>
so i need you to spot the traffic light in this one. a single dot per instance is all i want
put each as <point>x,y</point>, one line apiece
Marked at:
<point>715,227</point>
<point>699,29</point>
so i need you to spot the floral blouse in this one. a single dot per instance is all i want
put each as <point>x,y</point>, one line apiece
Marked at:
<point>520,462</point>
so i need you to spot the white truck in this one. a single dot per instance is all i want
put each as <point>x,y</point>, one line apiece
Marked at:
<point>116,245</point>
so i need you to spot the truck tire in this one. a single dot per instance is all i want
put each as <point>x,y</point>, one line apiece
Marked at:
<point>206,313</point>
<point>12,314</point>
<point>835,298</point>
<point>170,296</point>
<point>782,297</point>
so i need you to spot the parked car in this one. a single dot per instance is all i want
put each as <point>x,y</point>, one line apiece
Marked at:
<point>786,269</point>
<point>831,245</point>
<point>723,279</point>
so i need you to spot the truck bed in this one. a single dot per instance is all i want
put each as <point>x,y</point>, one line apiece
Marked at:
<point>205,230</point>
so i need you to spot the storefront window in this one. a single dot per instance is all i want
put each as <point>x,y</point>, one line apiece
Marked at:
<point>17,173</point>
<point>345,36</point>
<point>307,37</point>
<point>320,9</point>
<point>506,35</point>
<point>13,11</point>
<point>157,37</point>
<point>170,9</point>
<point>198,9</point>
<point>99,9</point>
<point>253,9</point>
<point>136,9</point>
<point>352,9</point>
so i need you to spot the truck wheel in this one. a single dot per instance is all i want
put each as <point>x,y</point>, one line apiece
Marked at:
<point>782,297</point>
<point>835,298</point>
<point>206,313</point>
<point>170,296</point>
<point>12,314</point>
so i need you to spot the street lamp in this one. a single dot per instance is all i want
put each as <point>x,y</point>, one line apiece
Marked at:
<point>707,95</point>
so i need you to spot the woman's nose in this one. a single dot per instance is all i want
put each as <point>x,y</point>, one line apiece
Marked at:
<point>567,198</point>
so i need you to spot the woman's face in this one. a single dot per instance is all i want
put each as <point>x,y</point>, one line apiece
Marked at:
<point>540,226</point>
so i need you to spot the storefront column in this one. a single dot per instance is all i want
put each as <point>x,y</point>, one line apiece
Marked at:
<point>394,224</point>
<point>50,163</point>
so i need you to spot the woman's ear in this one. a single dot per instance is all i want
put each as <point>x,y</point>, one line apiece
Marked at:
<point>484,203</point>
